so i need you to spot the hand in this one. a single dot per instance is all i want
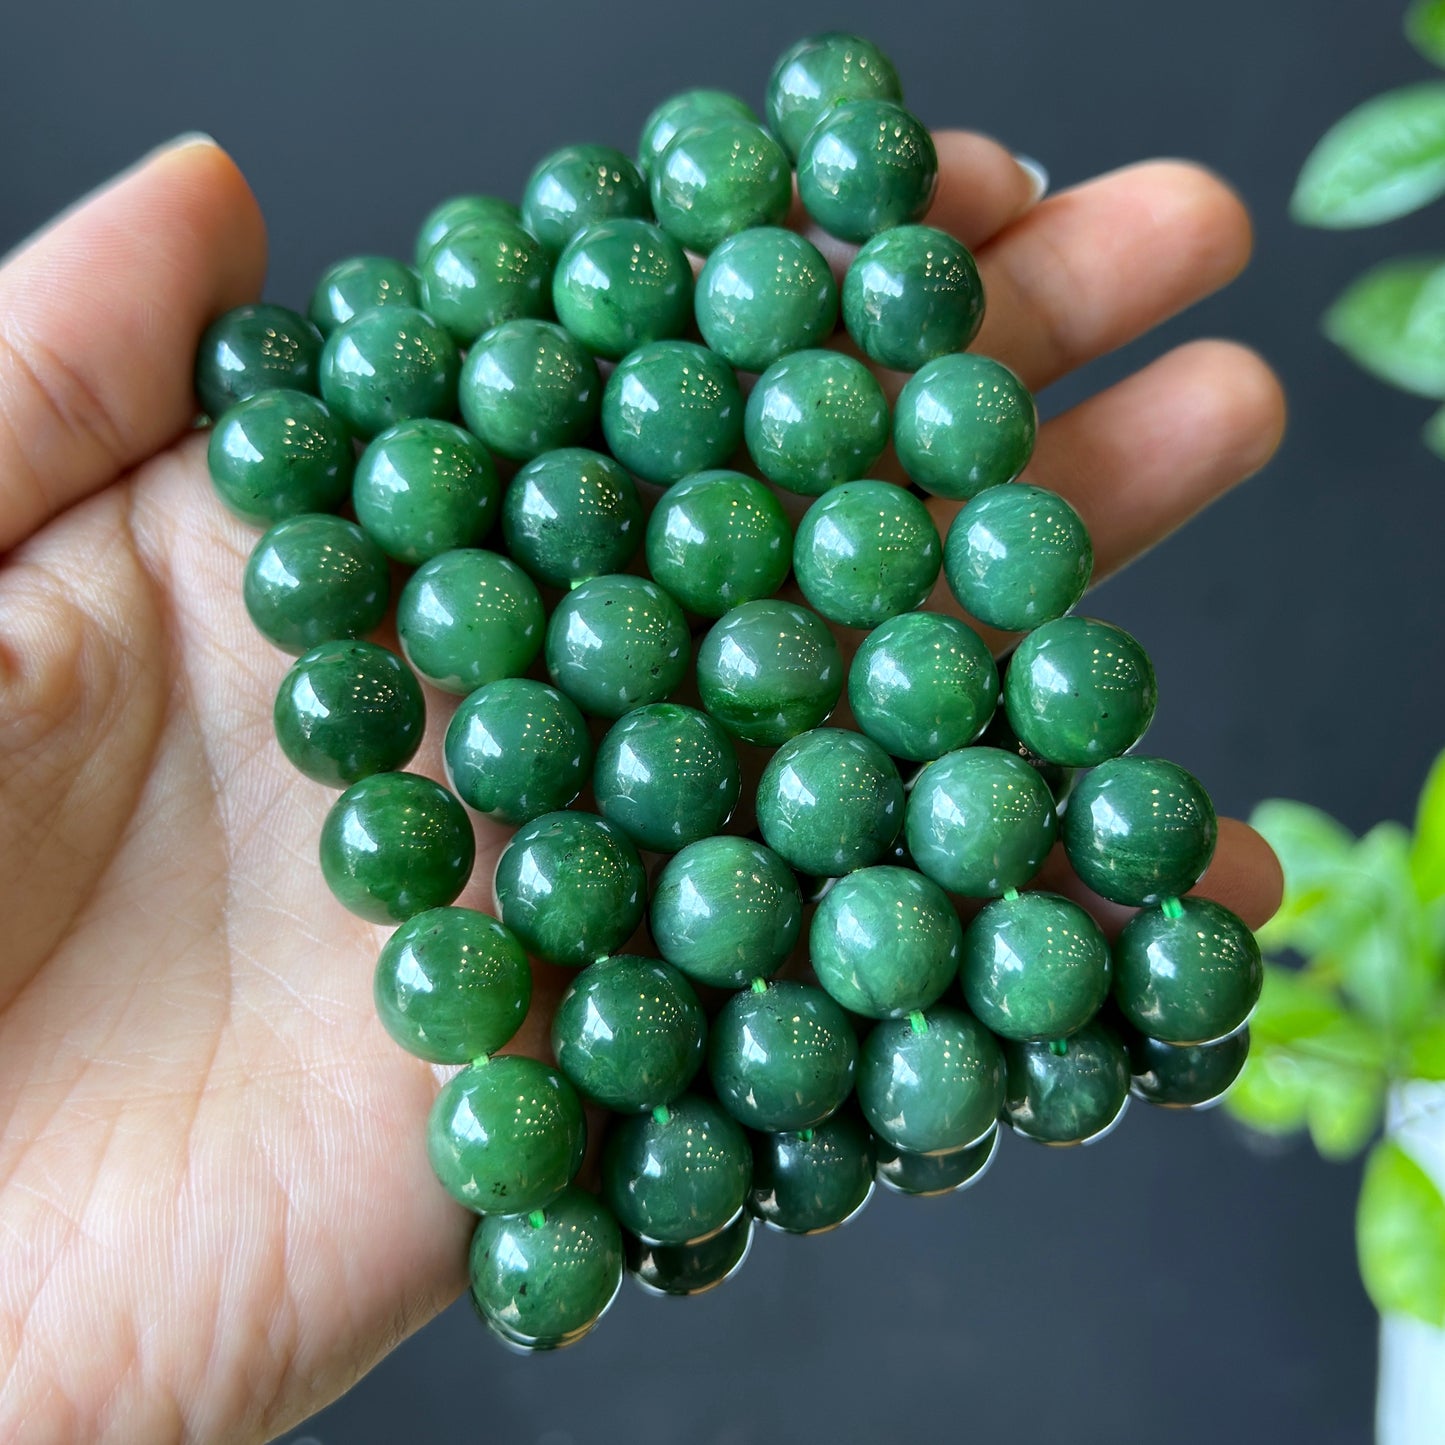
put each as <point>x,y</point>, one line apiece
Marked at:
<point>216,1210</point>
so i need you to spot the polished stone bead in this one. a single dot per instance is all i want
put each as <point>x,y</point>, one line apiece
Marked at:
<point>816,418</point>
<point>980,821</point>
<point>617,642</point>
<point>571,887</point>
<point>867,165</point>
<point>468,617</point>
<point>667,775</point>
<point>387,365</point>
<point>932,1083</point>
<point>726,910</point>
<point>528,387</point>
<point>963,423</point>
<point>717,539</point>
<point>830,801</point>
<point>928,1174</point>
<point>781,1055</point>
<point>361,283</point>
<point>620,284</point>
<point>885,941</point>
<point>1185,1076</point>
<point>678,1178</point>
<point>506,1135</point>
<point>922,685</point>
<point>348,709</point>
<point>718,176</point>
<point>255,348</point>
<point>1035,966</point>
<point>544,1286</point>
<point>452,985</point>
<point>689,1269</point>
<point>578,186</point>
<point>998,734</point>
<point>822,71</point>
<point>912,293</point>
<point>629,1033</point>
<point>865,552</point>
<point>810,1181</point>
<point>315,578</point>
<point>394,845</point>
<point>516,749</point>
<point>764,293</point>
<point>459,211</point>
<point>1079,691</point>
<point>484,273</point>
<point>1139,830</point>
<point>1068,1092</point>
<point>424,487</point>
<point>672,408</point>
<point>679,112</point>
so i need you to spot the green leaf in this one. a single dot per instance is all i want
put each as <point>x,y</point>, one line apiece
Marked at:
<point>1400,1236</point>
<point>1312,849</point>
<point>1392,323</point>
<point>1344,1108</point>
<point>1425,29</point>
<point>1427,855</point>
<point>1433,434</point>
<point>1271,1093</point>
<point>1384,159</point>
<point>1425,1051</point>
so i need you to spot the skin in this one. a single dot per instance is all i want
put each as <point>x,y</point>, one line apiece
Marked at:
<point>215,1207</point>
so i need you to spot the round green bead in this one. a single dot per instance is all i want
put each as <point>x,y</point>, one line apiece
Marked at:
<point>933,1083</point>
<point>830,801</point>
<point>468,617</point>
<point>718,176</point>
<point>866,551</point>
<point>980,821</point>
<point>361,283</point>
<point>452,985</point>
<point>726,910</point>
<point>885,941</point>
<point>255,348</point>
<point>928,1174</point>
<point>816,418</point>
<point>506,1135</point>
<point>387,365</point>
<point>484,273</point>
<point>1035,966</point>
<point>424,487</point>
<point>1071,1096</point>
<point>528,387</point>
<point>764,293</point>
<point>680,1178</point>
<point>689,1269</point>
<point>679,112</point>
<point>1139,830</point>
<point>813,1181</point>
<point>348,709</point>
<point>571,887</point>
<point>459,211</point>
<point>516,749</point>
<point>315,578</point>
<point>998,734</point>
<point>394,845</point>
<point>666,775</point>
<point>671,408</point>
<point>922,685</point>
<point>278,454</point>
<point>963,423</point>
<point>1185,1076</point>
<point>578,186</point>
<point>820,72</point>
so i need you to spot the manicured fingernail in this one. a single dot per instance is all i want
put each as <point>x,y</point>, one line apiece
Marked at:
<point>1038,177</point>
<point>181,142</point>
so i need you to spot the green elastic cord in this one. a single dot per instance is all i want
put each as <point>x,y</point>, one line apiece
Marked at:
<point>480,1060</point>
<point>662,1114</point>
<point>1010,895</point>
<point>1172,908</point>
<point>917,1022</point>
<point>1058,1047</point>
<point>536,1219</point>
<point>806,1135</point>
<point>759,985</point>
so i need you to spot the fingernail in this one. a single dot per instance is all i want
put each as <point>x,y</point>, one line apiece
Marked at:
<point>181,142</point>
<point>1038,177</point>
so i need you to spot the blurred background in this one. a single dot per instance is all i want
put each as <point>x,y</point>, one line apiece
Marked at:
<point>1177,1277</point>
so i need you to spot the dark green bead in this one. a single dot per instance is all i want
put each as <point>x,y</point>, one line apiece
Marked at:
<point>666,775</point>
<point>528,387</point>
<point>516,749</point>
<point>506,1135</point>
<point>1035,966</point>
<point>617,642</point>
<point>980,821</point>
<point>816,418</point>
<point>460,211</point>
<point>764,293</point>
<point>811,1181</point>
<point>1066,1093</point>
<point>394,845</point>
<point>671,408</point>
<point>315,578</point>
<point>718,176</point>
<point>629,1033</point>
<point>1185,1076</point>
<point>578,186</point>
<point>865,552</point>
<point>255,348</point>
<point>348,709</point>
<point>885,941</point>
<point>385,366</point>
<point>361,283</point>
<point>820,72</point>
<point>680,1178</point>
<point>452,985</point>
<point>932,1083</point>
<point>963,423</point>
<point>689,1269</point>
<point>678,112</point>
<point>922,685</point>
<point>544,1286</point>
<point>484,273</point>
<point>468,617</point>
<point>726,910</point>
<point>621,284</point>
<point>571,887</point>
<point>1139,830</point>
<point>424,487</point>
<point>278,454</point>
<point>928,1174</point>
<point>830,801</point>
<point>1188,973</point>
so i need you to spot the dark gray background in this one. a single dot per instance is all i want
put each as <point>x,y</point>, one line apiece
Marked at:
<point>1171,1280</point>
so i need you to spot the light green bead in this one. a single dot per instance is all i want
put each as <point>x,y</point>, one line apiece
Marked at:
<point>578,186</point>
<point>460,211</point>
<point>717,177</point>
<point>820,72</point>
<point>484,273</point>
<point>678,112</point>
<point>386,365</point>
<point>361,283</point>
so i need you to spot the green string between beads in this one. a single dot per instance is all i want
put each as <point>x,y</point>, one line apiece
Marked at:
<point>917,1022</point>
<point>1172,908</point>
<point>1058,1047</point>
